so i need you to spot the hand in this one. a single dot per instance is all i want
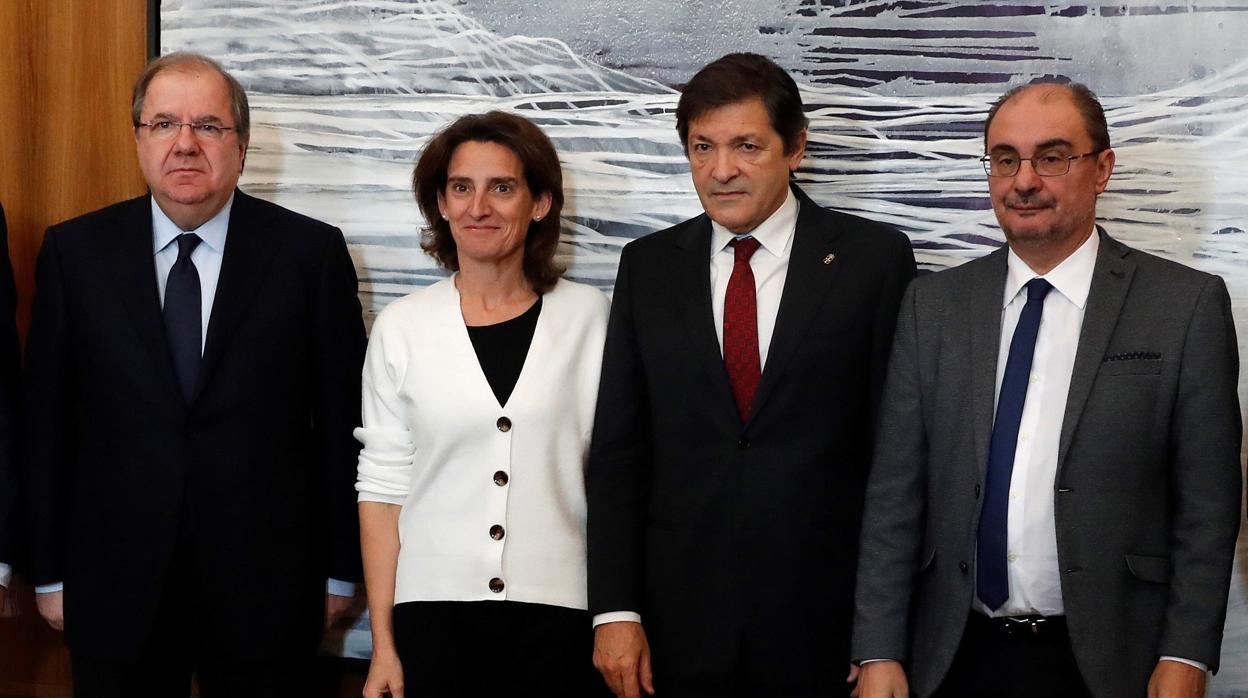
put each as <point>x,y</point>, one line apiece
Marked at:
<point>385,676</point>
<point>335,607</point>
<point>622,656</point>
<point>1176,680</point>
<point>882,679</point>
<point>52,607</point>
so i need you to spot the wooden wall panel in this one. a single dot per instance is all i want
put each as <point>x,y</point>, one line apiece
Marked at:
<point>66,147</point>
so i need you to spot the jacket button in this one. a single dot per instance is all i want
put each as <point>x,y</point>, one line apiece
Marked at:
<point>496,585</point>
<point>503,424</point>
<point>500,478</point>
<point>743,444</point>
<point>962,566</point>
<point>976,491</point>
<point>497,532</point>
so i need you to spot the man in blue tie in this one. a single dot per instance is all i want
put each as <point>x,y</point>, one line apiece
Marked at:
<point>1054,500</point>
<point>192,382</point>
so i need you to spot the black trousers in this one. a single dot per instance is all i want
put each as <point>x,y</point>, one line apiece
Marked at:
<point>1013,660</point>
<point>175,653</point>
<point>752,677</point>
<point>495,648</point>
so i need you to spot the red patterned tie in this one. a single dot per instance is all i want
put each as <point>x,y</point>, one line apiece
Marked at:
<point>741,327</point>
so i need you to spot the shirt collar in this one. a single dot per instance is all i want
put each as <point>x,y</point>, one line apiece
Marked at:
<point>774,234</point>
<point>211,233</point>
<point>1072,278</point>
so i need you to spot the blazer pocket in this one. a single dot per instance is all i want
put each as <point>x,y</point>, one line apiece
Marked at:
<point>1131,367</point>
<point>1150,568</point>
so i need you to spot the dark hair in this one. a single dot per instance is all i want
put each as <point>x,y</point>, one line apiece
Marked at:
<point>1085,101</point>
<point>736,78</point>
<point>238,96</point>
<point>542,174</point>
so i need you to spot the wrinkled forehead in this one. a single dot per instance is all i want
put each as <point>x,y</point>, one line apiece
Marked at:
<point>191,89</point>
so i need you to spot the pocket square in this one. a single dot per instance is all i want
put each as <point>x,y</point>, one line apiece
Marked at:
<point>1133,356</point>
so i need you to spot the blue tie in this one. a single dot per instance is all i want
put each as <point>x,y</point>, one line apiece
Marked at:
<point>183,311</point>
<point>992,580</point>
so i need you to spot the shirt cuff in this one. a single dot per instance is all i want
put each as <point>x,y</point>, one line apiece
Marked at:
<point>1189,662</point>
<point>868,661</point>
<point>50,588</point>
<point>337,587</point>
<point>616,617</point>
<point>6,574</point>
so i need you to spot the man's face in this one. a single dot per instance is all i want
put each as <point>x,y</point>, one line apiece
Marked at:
<point>190,177</point>
<point>739,165</point>
<point>1050,214</point>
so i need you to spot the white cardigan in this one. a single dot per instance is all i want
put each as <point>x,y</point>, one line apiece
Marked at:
<point>435,441</point>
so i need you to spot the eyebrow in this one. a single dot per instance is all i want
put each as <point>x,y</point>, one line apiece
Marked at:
<point>492,181</point>
<point>1051,143</point>
<point>165,116</point>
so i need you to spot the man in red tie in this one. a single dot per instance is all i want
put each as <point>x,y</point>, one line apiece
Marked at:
<point>744,360</point>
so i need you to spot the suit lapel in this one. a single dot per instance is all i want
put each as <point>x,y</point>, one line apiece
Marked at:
<point>691,287</point>
<point>248,252</point>
<point>984,316</point>
<point>1111,278</point>
<point>805,287</point>
<point>134,263</point>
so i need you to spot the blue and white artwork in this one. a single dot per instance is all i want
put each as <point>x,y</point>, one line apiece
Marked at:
<point>346,92</point>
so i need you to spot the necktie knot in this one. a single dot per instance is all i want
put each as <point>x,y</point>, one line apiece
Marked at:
<point>187,242</point>
<point>744,248</point>
<point>1037,289</point>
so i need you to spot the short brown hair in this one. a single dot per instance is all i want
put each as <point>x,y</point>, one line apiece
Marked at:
<point>238,96</point>
<point>542,174</point>
<point>1085,101</point>
<point>738,77</point>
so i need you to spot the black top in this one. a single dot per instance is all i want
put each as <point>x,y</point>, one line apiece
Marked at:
<point>502,347</point>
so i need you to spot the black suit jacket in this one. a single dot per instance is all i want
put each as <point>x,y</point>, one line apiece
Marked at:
<point>8,404</point>
<point>252,481</point>
<point>718,531</point>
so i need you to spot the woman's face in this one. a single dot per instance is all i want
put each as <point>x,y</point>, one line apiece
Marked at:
<point>488,204</point>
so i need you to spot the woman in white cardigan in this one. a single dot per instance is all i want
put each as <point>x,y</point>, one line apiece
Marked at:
<point>479,397</point>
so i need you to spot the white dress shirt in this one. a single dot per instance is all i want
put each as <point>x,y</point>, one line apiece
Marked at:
<point>206,257</point>
<point>1031,542</point>
<point>770,264</point>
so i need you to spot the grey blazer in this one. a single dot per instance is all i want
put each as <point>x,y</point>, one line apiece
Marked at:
<point>1148,482</point>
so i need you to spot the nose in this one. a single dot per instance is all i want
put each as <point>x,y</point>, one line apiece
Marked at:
<point>725,166</point>
<point>479,207</point>
<point>186,142</point>
<point>1026,180</point>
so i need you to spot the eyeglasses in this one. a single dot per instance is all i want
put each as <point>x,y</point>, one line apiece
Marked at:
<point>1050,163</point>
<point>168,130</point>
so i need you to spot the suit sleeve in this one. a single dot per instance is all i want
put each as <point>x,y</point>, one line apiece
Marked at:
<point>9,369</point>
<point>340,345</point>
<point>892,528</point>
<point>899,273</point>
<point>49,388</point>
<point>617,477</point>
<point>1205,439</point>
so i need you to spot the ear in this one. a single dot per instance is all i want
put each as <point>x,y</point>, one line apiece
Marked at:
<point>799,152</point>
<point>541,206</point>
<point>1104,168</point>
<point>242,155</point>
<point>441,204</point>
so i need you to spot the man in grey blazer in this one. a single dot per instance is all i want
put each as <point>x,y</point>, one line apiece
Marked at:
<point>1054,500</point>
